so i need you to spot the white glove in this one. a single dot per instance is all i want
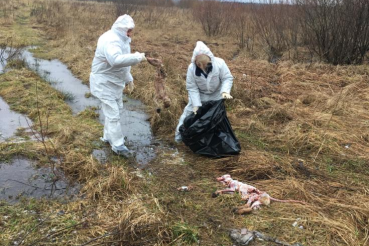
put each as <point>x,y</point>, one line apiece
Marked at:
<point>141,56</point>
<point>194,110</point>
<point>226,95</point>
<point>130,87</point>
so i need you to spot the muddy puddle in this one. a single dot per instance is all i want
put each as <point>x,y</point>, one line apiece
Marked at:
<point>61,78</point>
<point>134,121</point>
<point>8,54</point>
<point>19,178</point>
<point>137,130</point>
<point>14,127</point>
<point>13,124</point>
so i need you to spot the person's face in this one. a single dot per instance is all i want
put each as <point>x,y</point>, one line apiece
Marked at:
<point>204,63</point>
<point>129,32</point>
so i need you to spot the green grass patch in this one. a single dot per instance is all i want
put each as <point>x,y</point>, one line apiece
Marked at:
<point>186,233</point>
<point>251,139</point>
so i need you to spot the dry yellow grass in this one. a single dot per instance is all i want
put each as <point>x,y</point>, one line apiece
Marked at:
<point>108,190</point>
<point>284,114</point>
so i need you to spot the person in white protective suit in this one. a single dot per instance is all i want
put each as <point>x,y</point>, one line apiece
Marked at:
<point>110,73</point>
<point>208,78</point>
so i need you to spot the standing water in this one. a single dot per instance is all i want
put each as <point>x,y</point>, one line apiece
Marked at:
<point>60,77</point>
<point>6,54</point>
<point>134,121</point>
<point>19,178</point>
<point>10,122</point>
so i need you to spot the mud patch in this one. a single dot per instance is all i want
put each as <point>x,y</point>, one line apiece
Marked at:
<point>19,178</point>
<point>100,155</point>
<point>137,130</point>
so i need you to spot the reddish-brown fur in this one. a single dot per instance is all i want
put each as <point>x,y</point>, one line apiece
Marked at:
<point>159,82</point>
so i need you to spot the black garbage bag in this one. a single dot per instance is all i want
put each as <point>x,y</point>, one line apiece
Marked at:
<point>209,132</point>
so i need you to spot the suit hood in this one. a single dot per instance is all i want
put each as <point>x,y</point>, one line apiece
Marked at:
<point>122,25</point>
<point>201,49</point>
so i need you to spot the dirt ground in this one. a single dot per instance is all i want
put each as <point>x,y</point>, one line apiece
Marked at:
<point>303,129</point>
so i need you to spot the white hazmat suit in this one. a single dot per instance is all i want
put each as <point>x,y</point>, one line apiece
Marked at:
<point>215,85</point>
<point>110,72</point>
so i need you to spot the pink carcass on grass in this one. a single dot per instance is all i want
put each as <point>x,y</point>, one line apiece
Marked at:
<point>254,198</point>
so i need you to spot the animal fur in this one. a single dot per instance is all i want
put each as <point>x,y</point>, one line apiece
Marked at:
<point>159,82</point>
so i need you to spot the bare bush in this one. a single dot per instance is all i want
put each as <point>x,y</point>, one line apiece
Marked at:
<point>156,16</point>
<point>153,13</point>
<point>213,16</point>
<point>124,8</point>
<point>141,2</point>
<point>243,27</point>
<point>336,30</point>
<point>9,51</point>
<point>273,23</point>
<point>48,12</point>
<point>186,3</point>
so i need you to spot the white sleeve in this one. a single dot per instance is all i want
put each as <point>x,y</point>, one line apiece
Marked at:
<point>130,78</point>
<point>226,78</point>
<point>192,88</point>
<point>114,56</point>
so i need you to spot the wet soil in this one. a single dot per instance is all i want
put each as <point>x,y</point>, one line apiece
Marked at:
<point>134,120</point>
<point>20,178</point>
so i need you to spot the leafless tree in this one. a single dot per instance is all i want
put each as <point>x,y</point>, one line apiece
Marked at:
<point>213,16</point>
<point>336,30</point>
<point>272,21</point>
<point>243,27</point>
